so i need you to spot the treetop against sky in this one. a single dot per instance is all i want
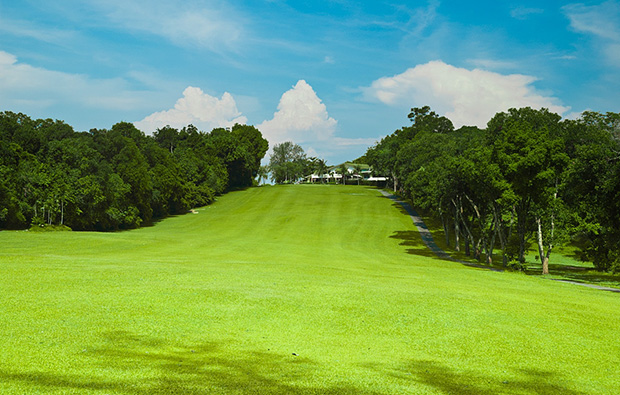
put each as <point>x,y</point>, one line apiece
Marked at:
<point>333,76</point>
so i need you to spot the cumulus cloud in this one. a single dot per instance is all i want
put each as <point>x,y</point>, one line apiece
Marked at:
<point>204,111</point>
<point>301,117</point>
<point>467,97</point>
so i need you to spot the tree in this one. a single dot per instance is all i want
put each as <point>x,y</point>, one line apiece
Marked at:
<point>287,162</point>
<point>255,145</point>
<point>117,178</point>
<point>320,167</point>
<point>592,186</point>
<point>344,172</point>
<point>167,138</point>
<point>358,172</point>
<point>529,148</point>
<point>263,174</point>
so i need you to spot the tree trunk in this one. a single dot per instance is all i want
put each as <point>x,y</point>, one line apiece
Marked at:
<point>490,247</point>
<point>482,232</point>
<point>469,237</point>
<point>544,259</point>
<point>499,230</point>
<point>457,230</point>
<point>545,265</point>
<point>444,223</point>
<point>494,232</point>
<point>395,181</point>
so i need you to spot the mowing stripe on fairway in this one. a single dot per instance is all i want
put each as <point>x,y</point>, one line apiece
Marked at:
<point>300,289</point>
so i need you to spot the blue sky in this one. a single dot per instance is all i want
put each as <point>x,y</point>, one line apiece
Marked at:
<point>333,76</point>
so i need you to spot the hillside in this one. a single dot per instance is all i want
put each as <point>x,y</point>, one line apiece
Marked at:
<point>289,290</point>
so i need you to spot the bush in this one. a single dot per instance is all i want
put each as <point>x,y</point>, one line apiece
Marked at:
<point>49,228</point>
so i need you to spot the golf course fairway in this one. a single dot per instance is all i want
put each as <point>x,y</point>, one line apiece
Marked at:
<point>301,289</point>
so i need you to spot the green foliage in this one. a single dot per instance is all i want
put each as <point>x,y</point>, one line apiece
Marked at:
<point>117,178</point>
<point>287,163</point>
<point>528,176</point>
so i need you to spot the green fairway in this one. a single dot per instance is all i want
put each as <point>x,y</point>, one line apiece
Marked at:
<point>297,289</point>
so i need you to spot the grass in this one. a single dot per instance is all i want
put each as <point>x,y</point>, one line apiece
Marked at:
<point>289,290</point>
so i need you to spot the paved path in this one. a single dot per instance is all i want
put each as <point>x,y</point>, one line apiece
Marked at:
<point>588,285</point>
<point>430,243</point>
<point>427,238</point>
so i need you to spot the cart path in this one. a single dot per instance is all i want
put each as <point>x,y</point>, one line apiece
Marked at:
<point>427,238</point>
<point>587,285</point>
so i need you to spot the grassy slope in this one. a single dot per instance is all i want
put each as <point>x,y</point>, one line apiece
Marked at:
<point>285,290</point>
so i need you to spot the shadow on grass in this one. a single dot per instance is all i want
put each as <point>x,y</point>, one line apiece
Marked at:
<point>424,244</point>
<point>412,240</point>
<point>440,379</point>
<point>424,241</point>
<point>132,364</point>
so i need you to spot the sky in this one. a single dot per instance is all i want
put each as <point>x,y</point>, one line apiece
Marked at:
<point>333,76</point>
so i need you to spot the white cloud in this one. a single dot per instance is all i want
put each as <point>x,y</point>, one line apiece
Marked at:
<point>197,108</point>
<point>467,97</point>
<point>603,22</point>
<point>420,18</point>
<point>30,88</point>
<point>301,117</point>
<point>29,29</point>
<point>214,26</point>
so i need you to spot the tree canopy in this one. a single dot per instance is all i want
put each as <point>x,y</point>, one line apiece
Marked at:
<point>117,178</point>
<point>287,163</point>
<point>529,177</point>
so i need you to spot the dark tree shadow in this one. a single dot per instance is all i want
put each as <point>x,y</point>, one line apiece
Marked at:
<point>207,368</point>
<point>415,246</point>
<point>441,379</point>
<point>423,240</point>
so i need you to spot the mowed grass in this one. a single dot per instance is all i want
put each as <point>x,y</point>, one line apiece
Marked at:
<point>289,290</point>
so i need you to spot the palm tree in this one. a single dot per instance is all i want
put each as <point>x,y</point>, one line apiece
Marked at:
<point>343,170</point>
<point>358,172</point>
<point>320,168</point>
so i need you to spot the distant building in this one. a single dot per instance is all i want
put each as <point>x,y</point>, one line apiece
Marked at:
<point>334,175</point>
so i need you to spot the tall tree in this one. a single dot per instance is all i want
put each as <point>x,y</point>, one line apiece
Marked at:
<point>287,162</point>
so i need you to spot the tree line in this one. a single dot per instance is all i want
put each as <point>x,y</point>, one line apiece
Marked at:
<point>529,178</point>
<point>118,178</point>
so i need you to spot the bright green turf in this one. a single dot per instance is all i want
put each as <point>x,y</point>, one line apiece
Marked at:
<point>289,290</point>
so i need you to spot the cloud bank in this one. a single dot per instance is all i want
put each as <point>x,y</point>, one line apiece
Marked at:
<point>197,108</point>
<point>467,97</point>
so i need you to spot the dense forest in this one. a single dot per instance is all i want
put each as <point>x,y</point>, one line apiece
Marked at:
<point>117,178</point>
<point>529,178</point>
